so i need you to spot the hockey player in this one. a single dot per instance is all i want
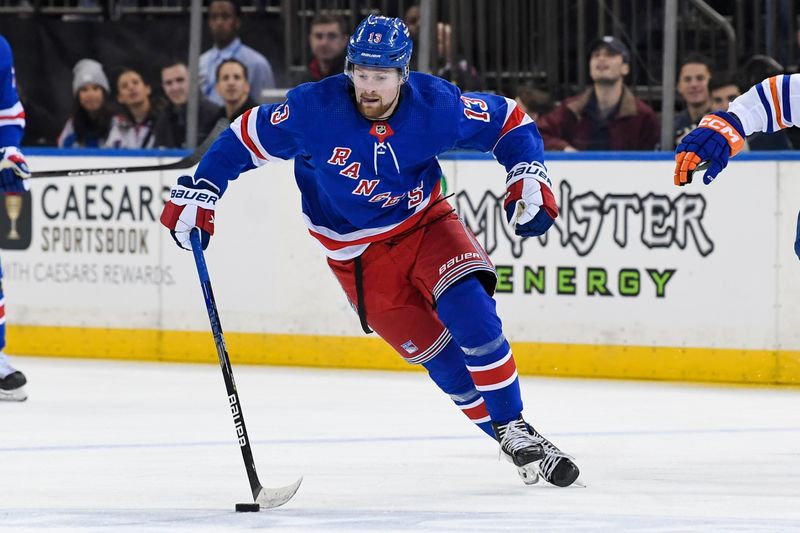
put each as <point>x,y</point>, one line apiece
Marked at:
<point>765,107</point>
<point>364,145</point>
<point>13,174</point>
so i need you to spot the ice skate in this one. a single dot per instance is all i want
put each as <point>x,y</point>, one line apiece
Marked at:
<point>520,447</point>
<point>12,382</point>
<point>557,468</point>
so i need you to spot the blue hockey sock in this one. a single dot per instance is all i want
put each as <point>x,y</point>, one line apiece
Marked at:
<point>471,317</point>
<point>450,373</point>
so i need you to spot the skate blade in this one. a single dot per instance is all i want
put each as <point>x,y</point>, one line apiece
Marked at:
<point>16,395</point>
<point>529,474</point>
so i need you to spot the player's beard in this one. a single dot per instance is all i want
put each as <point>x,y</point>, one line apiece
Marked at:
<point>377,110</point>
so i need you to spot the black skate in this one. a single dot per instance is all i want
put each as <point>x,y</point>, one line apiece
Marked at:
<point>557,467</point>
<point>11,387</point>
<point>519,446</point>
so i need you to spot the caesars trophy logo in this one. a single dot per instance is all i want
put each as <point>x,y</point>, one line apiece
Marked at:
<point>16,225</point>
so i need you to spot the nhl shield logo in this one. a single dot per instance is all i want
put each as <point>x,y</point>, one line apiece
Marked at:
<point>381,130</point>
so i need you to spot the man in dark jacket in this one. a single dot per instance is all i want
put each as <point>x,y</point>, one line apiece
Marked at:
<point>170,126</point>
<point>606,116</point>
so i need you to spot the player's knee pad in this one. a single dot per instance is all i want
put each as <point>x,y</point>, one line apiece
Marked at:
<point>470,315</point>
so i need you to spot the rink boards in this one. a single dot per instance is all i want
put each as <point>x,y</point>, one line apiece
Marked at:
<point>637,279</point>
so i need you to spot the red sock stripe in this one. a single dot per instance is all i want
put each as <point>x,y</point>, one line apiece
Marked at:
<point>477,412</point>
<point>489,378</point>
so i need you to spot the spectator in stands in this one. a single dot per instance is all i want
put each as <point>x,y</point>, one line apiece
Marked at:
<point>133,128</point>
<point>606,116</point>
<point>170,126</point>
<point>233,89</point>
<point>693,77</point>
<point>534,102</point>
<point>455,69</point>
<point>224,20</point>
<point>90,122</point>
<point>724,90</point>
<point>327,39</point>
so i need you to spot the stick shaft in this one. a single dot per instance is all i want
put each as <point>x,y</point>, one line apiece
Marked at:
<point>225,364</point>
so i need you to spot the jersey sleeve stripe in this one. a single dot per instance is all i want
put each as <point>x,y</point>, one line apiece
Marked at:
<point>248,131</point>
<point>773,89</point>
<point>787,106</point>
<point>244,127</point>
<point>13,116</point>
<point>515,118</point>
<point>767,108</point>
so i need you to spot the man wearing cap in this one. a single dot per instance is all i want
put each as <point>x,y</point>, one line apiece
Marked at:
<point>606,116</point>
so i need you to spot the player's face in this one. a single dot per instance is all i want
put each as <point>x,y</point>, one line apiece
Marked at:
<point>175,80</point>
<point>607,66</point>
<point>721,97</point>
<point>222,22</point>
<point>91,97</point>
<point>376,90</point>
<point>327,41</point>
<point>232,84</point>
<point>693,83</point>
<point>131,89</point>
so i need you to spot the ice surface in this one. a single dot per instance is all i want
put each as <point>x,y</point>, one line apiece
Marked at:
<point>126,446</point>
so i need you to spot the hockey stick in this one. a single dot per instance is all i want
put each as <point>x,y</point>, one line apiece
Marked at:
<point>266,497</point>
<point>187,162</point>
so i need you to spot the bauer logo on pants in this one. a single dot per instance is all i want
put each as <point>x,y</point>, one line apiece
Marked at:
<point>16,221</point>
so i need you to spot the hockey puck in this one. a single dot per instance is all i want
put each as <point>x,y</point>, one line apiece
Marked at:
<point>247,507</point>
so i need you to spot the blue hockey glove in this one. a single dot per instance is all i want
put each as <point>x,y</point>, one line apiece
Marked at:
<point>529,203</point>
<point>191,205</point>
<point>719,136</point>
<point>14,171</point>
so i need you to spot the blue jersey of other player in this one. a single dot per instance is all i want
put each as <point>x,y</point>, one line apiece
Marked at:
<point>12,116</point>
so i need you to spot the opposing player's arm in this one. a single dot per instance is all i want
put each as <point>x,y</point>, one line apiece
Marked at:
<point>768,106</point>
<point>260,135</point>
<point>497,124</point>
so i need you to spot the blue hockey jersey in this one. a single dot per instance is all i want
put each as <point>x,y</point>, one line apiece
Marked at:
<point>363,181</point>
<point>12,116</point>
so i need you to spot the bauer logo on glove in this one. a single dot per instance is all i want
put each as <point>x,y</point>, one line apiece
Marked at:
<point>529,203</point>
<point>191,205</point>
